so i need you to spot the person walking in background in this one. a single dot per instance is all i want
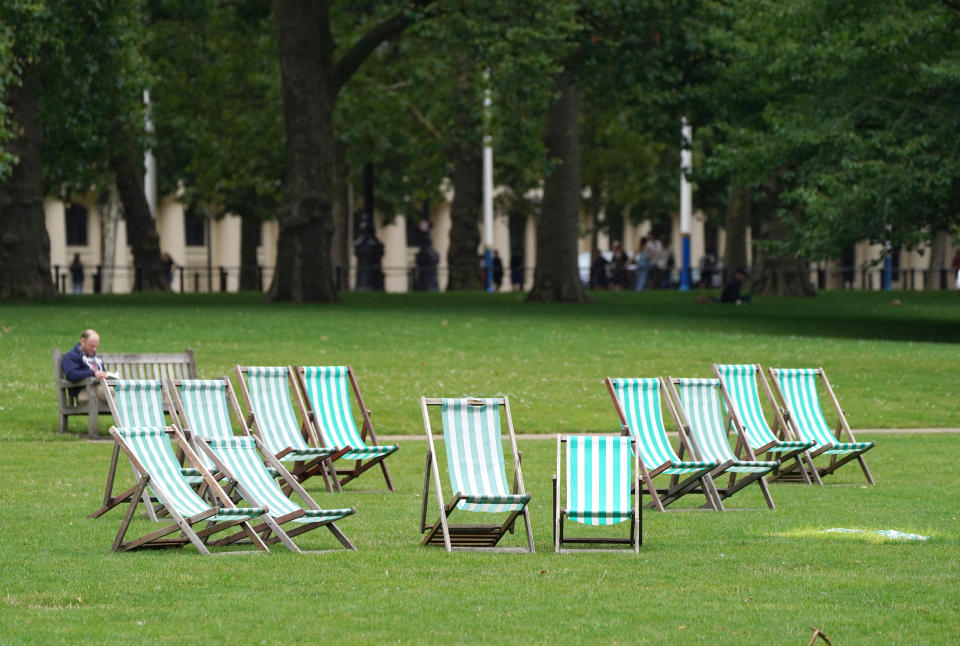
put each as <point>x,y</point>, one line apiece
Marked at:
<point>643,264</point>
<point>619,262</point>
<point>497,270</point>
<point>168,266</point>
<point>956,269</point>
<point>76,274</point>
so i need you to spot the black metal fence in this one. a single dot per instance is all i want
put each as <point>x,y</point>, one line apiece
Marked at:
<point>204,279</point>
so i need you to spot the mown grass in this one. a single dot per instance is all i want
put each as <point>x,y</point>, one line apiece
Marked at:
<point>891,365</point>
<point>757,576</point>
<point>742,577</point>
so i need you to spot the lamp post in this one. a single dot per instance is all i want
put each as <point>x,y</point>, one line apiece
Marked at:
<point>686,203</point>
<point>487,189</point>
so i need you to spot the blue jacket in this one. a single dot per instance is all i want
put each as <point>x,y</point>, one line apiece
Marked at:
<point>75,369</point>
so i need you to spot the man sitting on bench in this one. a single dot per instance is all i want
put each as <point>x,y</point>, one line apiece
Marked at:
<point>82,362</point>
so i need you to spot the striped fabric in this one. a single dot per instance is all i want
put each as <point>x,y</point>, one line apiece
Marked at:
<point>152,448</point>
<point>740,382</point>
<point>329,396</point>
<point>276,419</point>
<point>474,445</point>
<point>598,479</point>
<point>139,402</point>
<point>240,456</point>
<point>640,402</point>
<point>700,398</point>
<point>799,388</point>
<point>205,405</point>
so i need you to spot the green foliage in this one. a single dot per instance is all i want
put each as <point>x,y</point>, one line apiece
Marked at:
<point>217,106</point>
<point>422,95</point>
<point>848,111</point>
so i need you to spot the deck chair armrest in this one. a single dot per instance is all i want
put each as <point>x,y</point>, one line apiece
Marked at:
<point>457,497</point>
<point>284,452</point>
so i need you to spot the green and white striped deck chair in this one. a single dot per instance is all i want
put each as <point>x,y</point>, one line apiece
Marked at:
<point>156,467</point>
<point>478,478</point>
<point>203,408</point>
<point>133,403</point>
<point>700,406</point>
<point>637,403</point>
<point>738,386</point>
<point>798,391</point>
<point>600,473</point>
<point>327,390</point>
<point>272,417</point>
<point>251,468</point>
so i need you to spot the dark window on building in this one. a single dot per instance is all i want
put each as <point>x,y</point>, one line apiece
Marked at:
<point>895,257</point>
<point>195,228</point>
<point>76,224</point>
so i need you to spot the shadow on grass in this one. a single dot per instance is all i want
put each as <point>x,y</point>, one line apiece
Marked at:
<point>922,317</point>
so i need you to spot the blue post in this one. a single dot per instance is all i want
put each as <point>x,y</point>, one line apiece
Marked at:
<point>887,274</point>
<point>488,265</point>
<point>685,263</point>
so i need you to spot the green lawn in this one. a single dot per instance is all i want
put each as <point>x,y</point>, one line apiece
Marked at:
<point>744,577</point>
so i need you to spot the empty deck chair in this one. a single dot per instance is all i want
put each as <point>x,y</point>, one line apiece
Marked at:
<point>327,390</point>
<point>600,474</point>
<point>637,402</point>
<point>738,386</point>
<point>272,417</point>
<point>797,389</point>
<point>205,408</point>
<point>157,468</point>
<point>478,479</point>
<point>699,404</point>
<point>251,467</point>
<point>133,403</point>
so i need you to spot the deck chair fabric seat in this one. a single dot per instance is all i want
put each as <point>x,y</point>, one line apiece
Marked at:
<point>327,391</point>
<point>739,382</point>
<point>201,405</point>
<point>239,458</point>
<point>475,466</point>
<point>135,403</point>
<point>637,402</point>
<point>599,476</point>
<point>273,417</point>
<point>798,391</point>
<point>699,400</point>
<point>158,469</point>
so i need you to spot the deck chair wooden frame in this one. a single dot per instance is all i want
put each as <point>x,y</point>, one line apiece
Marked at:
<point>302,447</point>
<point>151,413</point>
<point>251,469</point>
<point>805,423</point>
<point>643,421</point>
<point>474,537</point>
<point>185,507</point>
<point>714,443</point>
<point>602,497</point>
<point>738,387</point>
<point>333,421</point>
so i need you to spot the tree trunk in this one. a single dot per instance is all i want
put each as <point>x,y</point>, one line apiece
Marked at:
<point>304,270</point>
<point>127,168</point>
<point>249,241</point>
<point>938,262</point>
<point>342,236</point>
<point>24,243</point>
<point>779,275</point>
<point>557,277</point>
<point>462,258</point>
<point>109,206</point>
<point>738,218</point>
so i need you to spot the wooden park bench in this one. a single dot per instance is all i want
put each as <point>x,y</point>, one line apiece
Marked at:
<point>153,365</point>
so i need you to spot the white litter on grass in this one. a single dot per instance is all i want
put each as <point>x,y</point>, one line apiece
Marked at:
<point>886,533</point>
